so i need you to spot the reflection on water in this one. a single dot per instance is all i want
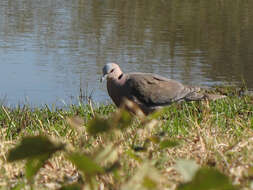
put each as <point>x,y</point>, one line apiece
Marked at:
<point>50,48</point>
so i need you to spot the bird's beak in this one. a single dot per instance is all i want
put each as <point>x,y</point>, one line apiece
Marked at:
<point>103,78</point>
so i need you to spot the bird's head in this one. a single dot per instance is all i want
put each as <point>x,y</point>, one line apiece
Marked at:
<point>111,71</point>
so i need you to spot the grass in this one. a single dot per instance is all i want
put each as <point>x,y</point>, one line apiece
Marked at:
<point>145,154</point>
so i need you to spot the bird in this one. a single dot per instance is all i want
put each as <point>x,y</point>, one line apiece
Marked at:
<point>149,91</point>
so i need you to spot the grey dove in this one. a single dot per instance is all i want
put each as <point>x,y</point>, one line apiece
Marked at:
<point>149,91</point>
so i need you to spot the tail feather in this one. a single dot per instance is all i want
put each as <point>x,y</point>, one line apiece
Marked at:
<point>196,94</point>
<point>193,94</point>
<point>214,96</point>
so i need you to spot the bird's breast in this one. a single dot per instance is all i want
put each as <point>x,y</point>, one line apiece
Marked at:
<point>116,92</point>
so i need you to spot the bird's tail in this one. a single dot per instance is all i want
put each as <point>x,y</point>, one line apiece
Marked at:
<point>214,96</point>
<point>196,94</point>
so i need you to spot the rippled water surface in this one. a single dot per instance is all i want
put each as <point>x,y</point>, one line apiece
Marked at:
<point>51,48</point>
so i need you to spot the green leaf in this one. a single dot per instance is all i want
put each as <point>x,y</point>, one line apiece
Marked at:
<point>208,178</point>
<point>33,165</point>
<point>98,125</point>
<point>85,164</point>
<point>149,183</point>
<point>74,186</point>
<point>146,177</point>
<point>76,123</point>
<point>19,186</point>
<point>168,143</point>
<point>113,167</point>
<point>106,154</point>
<point>122,118</point>
<point>187,168</point>
<point>139,148</point>
<point>155,139</point>
<point>249,172</point>
<point>134,156</point>
<point>32,147</point>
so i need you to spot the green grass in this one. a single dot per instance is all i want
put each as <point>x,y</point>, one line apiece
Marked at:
<point>217,135</point>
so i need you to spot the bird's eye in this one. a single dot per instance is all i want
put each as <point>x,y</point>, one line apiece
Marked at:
<point>111,70</point>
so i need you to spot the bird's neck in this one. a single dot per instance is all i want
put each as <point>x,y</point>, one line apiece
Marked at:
<point>114,88</point>
<point>117,79</point>
<point>118,75</point>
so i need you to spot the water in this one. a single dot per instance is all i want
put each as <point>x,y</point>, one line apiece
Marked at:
<point>51,48</point>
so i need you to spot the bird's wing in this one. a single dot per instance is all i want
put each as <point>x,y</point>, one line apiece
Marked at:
<point>154,90</point>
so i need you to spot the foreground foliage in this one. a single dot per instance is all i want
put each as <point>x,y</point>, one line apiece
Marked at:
<point>195,145</point>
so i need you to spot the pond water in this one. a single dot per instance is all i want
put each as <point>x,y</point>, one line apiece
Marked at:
<point>49,49</point>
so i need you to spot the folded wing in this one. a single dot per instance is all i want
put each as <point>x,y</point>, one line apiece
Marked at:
<point>154,90</point>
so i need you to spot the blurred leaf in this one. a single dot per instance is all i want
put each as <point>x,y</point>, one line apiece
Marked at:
<point>19,186</point>
<point>146,177</point>
<point>157,114</point>
<point>208,178</point>
<point>31,147</point>
<point>133,108</point>
<point>168,143</point>
<point>113,167</point>
<point>33,165</point>
<point>149,183</point>
<point>108,153</point>
<point>132,155</point>
<point>139,148</point>
<point>122,118</point>
<point>85,164</point>
<point>155,139</point>
<point>76,122</point>
<point>249,172</point>
<point>98,125</point>
<point>187,168</point>
<point>74,186</point>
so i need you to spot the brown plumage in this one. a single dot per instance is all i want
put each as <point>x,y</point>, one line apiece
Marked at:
<point>149,91</point>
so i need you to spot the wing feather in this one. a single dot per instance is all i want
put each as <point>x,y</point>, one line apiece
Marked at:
<point>154,90</point>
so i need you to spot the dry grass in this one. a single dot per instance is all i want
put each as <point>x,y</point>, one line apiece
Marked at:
<point>214,134</point>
